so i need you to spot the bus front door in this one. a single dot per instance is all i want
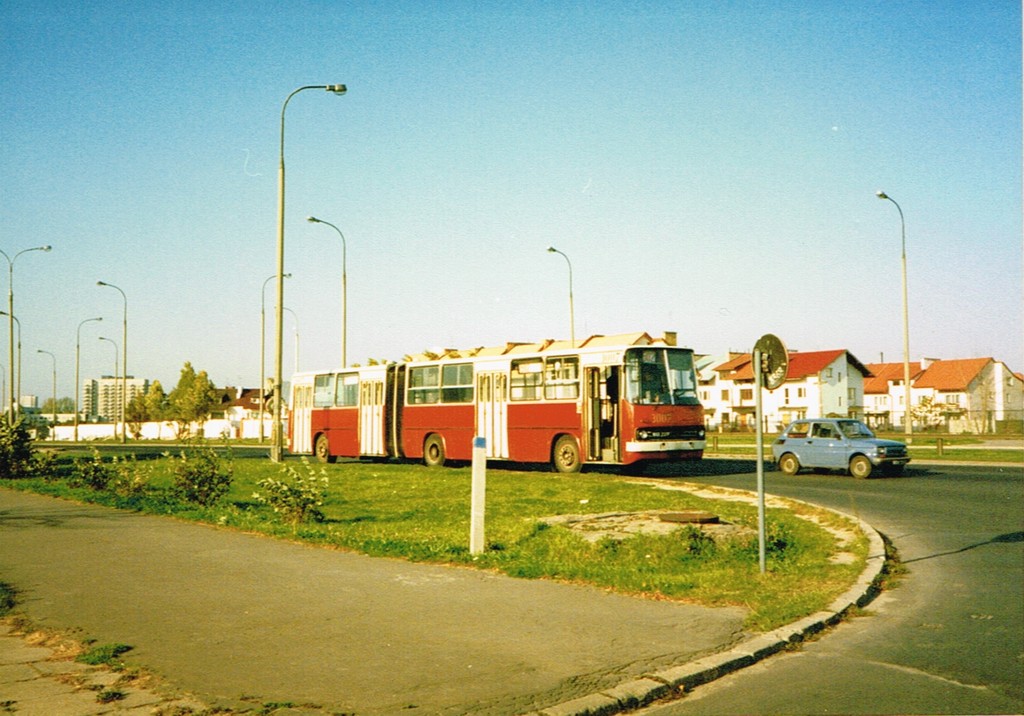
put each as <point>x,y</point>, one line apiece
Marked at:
<point>602,414</point>
<point>492,412</point>
<point>371,417</point>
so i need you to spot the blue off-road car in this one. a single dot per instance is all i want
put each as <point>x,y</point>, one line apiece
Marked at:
<point>837,444</point>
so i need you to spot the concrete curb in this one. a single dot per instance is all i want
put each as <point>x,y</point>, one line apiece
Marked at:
<point>676,681</point>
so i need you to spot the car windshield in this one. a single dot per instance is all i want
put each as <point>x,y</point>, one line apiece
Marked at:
<point>660,376</point>
<point>855,429</point>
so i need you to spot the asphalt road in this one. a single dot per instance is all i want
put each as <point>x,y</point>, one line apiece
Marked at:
<point>949,639</point>
<point>241,620</point>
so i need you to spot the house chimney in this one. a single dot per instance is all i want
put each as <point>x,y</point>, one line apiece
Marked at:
<point>670,338</point>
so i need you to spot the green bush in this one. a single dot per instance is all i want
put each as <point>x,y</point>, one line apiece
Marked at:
<point>298,499</point>
<point>91,472</point>
<point>130,477</point>
<point>201,476</point>
<point>16,454</point>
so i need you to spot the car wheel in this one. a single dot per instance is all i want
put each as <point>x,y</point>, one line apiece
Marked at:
<point>433,451</point>
<point>566,455</point>
<point>789,464</point>
<point>860,467</point>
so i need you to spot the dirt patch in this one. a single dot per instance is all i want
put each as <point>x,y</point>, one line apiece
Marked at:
<point>623,525</point>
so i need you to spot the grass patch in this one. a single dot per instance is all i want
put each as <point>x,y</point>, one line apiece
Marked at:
<point>104,655</point>
<point>411,512</point>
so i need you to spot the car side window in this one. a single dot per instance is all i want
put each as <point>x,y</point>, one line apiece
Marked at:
<point>799,430</point>
<point>823,430</point>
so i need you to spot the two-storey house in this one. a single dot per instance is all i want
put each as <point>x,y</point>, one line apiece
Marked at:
<point>818,383</point>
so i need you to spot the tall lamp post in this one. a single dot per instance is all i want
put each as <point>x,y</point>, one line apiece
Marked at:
<point>78,355</point>
<point>907,423</point>
<point>15,393</point>
<point>572,316</point>
<point>15,387</point>
<point>263,349</point>
<point>54,359</point>
<point>344,287</point>
<point>114,343</point>
<point>277,449</point>
<point>124,362</point>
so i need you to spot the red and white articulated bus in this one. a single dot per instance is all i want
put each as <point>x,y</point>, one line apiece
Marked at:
<point>609,400</point>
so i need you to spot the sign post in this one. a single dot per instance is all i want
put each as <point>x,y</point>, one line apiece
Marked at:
<point>477,499</point>
<point>771,364</point>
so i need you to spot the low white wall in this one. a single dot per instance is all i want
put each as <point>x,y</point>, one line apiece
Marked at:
<point>211,430</point>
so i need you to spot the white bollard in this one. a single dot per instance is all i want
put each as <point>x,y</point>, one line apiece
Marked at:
<point>476,519</point>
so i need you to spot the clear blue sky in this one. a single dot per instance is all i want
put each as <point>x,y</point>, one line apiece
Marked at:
<point>709,168</point>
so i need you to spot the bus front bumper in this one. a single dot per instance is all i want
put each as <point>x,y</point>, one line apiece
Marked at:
<point>665,445</point>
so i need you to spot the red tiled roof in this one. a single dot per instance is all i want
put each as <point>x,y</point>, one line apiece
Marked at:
<point>951,375</point>
<point>735,364</point>
<point>801,365</point>
<point>884,373</point>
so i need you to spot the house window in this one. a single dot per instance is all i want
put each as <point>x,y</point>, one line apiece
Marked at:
<point>747,394</point>
<point>801,392</point>
<point>725,395</point>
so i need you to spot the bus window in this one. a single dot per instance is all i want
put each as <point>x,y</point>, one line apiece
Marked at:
<point>682,380</point>
<point>347,391</point>
<point>562,378</point>
<point>423,384</point>
<point>527,378</point>
<point>323,391</point>
<point>657,376</point>
<point>457,383</point>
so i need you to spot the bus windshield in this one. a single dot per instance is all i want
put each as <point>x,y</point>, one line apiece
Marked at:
<point>660,376</point>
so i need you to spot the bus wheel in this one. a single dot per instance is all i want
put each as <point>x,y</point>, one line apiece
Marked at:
<point>322,450</point>
<point>433,451</point>
<point>566,455</point>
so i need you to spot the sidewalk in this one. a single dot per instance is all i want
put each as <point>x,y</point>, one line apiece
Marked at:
<point>247,623</point>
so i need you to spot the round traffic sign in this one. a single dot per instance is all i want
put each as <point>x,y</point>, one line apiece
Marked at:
<point>774,360</point>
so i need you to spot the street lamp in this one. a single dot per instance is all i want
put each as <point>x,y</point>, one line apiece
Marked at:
<point>277,450</point>
<point>124,360</point>
<point>54,359</point>
<point>114,343</point>
<point>15,393</point>
<point>344,287</point>
<point>263,347</point>
<point>572,316</point>
<point>907,423</point>
<point>78,354</point>
<point>15,386</point>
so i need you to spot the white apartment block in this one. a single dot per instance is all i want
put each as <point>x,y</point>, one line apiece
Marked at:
<point>102,398</point>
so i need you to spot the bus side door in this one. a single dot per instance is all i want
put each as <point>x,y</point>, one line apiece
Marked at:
<point>492,412</point>
<point>371,417</point>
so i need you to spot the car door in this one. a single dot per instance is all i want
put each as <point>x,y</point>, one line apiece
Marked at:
<point>826,446</point>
